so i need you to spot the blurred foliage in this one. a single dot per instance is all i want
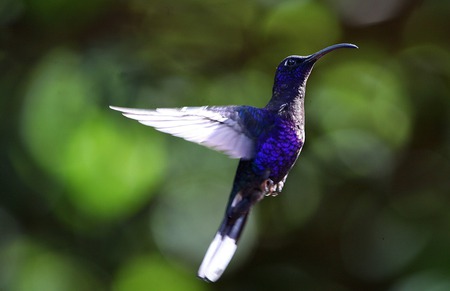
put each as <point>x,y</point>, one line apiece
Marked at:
<point>92,201</point>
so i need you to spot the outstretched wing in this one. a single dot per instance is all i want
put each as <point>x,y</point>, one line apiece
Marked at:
<point>219,128</point>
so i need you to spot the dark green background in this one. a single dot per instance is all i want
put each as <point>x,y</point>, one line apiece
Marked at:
<point>93,201</point>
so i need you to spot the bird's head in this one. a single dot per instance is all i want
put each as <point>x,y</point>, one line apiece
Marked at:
<point>293,72</point>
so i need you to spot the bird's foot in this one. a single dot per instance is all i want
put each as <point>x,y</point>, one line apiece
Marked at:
<point>269,188</point>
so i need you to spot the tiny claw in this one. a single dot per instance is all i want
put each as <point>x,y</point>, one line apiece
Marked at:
<point>280,186</point>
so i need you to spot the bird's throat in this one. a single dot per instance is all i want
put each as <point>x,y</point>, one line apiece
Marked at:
<point>291,100</point>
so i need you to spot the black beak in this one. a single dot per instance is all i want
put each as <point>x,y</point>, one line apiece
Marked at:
<point>314,57</point>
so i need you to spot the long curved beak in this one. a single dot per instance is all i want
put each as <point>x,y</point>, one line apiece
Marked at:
<point>314,57</point>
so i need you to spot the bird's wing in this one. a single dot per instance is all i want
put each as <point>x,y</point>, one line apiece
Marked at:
<point>219,128</point>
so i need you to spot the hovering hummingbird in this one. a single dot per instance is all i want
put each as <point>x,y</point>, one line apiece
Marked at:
<point>267,141</point>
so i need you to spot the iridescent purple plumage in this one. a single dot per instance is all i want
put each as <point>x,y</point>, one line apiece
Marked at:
<point>267,140</point>
<point>278,149</point>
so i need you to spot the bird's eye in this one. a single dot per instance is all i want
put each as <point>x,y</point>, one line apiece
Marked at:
<point>290,62</point>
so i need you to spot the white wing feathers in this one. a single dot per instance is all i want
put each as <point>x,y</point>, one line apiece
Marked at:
<point>211,128</point>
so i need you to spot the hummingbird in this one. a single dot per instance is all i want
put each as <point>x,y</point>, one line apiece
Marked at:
<point>267,141</point>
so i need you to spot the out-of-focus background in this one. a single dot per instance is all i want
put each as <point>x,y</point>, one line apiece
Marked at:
<point>93,201</point>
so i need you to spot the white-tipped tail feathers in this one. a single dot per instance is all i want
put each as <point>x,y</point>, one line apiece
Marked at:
<point>216,260</point>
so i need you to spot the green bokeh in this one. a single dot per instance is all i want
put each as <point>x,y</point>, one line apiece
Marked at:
<point>151,272</point>
<point>30,266</point>
<point>106,174</point>
<point>93,201</point>
<point>298,27</point>
<point>366,95</point>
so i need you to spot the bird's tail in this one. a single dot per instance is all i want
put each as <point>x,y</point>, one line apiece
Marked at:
<point>224,244</point>
<point>222,248</point>
<point>248,189</point>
